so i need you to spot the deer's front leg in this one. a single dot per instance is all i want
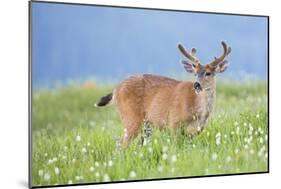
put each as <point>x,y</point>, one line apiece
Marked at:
<point>191,131</point>
<point>194,128</point>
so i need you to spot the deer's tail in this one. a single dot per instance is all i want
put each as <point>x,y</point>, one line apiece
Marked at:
<point>104,100</point>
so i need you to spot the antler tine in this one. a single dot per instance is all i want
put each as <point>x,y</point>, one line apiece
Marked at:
<point>193,51</point>
<point>187,54</point>
<point>226,51</point>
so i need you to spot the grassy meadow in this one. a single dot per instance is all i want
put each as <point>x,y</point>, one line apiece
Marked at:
<point>74,142</point>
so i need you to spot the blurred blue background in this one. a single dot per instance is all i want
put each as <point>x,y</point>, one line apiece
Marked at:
<point>77,43</point>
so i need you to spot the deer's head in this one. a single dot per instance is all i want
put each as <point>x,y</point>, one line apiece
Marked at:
<point>205,73</point>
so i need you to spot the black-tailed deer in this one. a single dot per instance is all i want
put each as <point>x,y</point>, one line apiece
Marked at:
<point>168,102</point>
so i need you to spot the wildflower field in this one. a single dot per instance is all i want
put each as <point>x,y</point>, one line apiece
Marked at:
<point>74,142</point>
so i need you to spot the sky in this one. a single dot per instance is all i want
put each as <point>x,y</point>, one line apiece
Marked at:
<point>77,43</point>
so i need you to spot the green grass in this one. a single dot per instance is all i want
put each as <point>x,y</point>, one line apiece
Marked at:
<point>234,142</point>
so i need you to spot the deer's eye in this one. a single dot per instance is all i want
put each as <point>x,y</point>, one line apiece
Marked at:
<point>207,74</point>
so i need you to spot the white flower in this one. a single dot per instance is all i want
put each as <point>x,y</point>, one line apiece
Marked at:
<point>73,160</point>
<point>164,156</point>
<point>228,159</point>
<point>252,151</point>
<point>79,177</point>
<point>70,182</point>
<point>218,141</point>
<point>65,148</point>
<point>164,149</point>
<point>260,130</point>
<point>40,173</point>
<point>214,156</point>
<point>236,151</point>
<point>46,154</point>
<point>97,164</point>
<point>250,139</point>
<point>160,169</point>
<point>245,124</point>
<point>88,144</point>
<point>47,176</point>
<point>250,132</point>
<point>246,146</point>
<point>132,174</point>
<point>237,130</point>
<point>173,158</point>
<point>55,159</point>
<point>261,151</point>
<point>78,138</point>
<point>155,141</point>
<point>235,123</point>
<point>50,161</point>
<point>258,116</point>
<point>92,168</point>
<point>251,127</point>
<point>218,135</point>
<point>150,150</point>
<point>261,140</point>
<point>97,174</point>
<point>63,157</point>
<point>84,150</point>
<point>57,171</point>
<point>106,178</point>
<point>110,163</point>
<point>193,145</point>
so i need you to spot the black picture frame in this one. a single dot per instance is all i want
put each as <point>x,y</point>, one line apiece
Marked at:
<point>142,8</point>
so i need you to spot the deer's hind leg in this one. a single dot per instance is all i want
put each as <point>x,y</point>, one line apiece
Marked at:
<point>132,127</point>
<point>132,119</point>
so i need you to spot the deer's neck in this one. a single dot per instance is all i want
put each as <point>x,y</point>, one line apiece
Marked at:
<point>210,95</point>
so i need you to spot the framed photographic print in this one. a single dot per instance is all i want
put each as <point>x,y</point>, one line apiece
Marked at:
<point>122,94</point>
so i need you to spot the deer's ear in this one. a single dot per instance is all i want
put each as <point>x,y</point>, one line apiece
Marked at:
<point>222,66</point>
<point>190,68</point>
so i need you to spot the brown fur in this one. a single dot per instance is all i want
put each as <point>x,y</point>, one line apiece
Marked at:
<point>163,101</point>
